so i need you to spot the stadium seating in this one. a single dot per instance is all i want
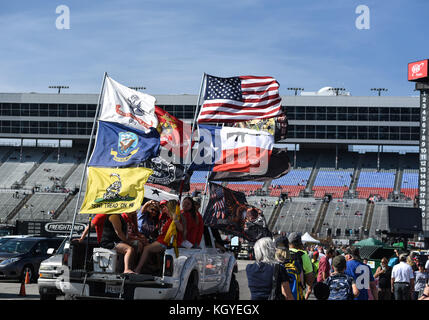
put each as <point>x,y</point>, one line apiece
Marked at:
<point>347,214</point>
<point>298,215</point>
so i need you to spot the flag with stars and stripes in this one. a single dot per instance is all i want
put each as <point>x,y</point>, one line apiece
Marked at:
<point>240,98</point>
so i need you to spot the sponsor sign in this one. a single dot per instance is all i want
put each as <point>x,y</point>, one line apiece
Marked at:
<point>63,227</point>
<point>418,71</point>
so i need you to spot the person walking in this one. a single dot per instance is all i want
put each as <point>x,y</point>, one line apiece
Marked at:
<point>266,278</point>
<point>420,279</point>
<point>296,248</point>
<point>402,280</point>
<point>383,274</point>
<point>361,273</point>
<point>324,265</point>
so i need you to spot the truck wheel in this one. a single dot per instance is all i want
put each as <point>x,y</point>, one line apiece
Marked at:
<point>233,292</point>
<point>191,292</point>
<point>68,296</point>
<point>30,271</point>
<point>48,297</point>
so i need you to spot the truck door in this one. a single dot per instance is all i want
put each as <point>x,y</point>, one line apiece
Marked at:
<point>213,263</point>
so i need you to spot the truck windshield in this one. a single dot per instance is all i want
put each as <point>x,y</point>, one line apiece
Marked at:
<point>17,246</point>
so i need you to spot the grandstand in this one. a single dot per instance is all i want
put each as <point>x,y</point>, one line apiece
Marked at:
<point>342,147</point>
<point>298,215</point>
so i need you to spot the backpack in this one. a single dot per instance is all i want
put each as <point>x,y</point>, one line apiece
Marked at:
<point>294,269</point>
<point>340,287</point>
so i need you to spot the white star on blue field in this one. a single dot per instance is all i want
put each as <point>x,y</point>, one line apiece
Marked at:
<point>166,46</point>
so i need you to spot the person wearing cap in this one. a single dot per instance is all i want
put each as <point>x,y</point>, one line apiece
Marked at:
<point>284,257</point>
<point>420,279</point>
<point>361,273</point>
<point>402,280</point>
<point>297,248</point>
<point>341,285</point>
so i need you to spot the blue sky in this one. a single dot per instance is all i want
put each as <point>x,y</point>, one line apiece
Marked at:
<point>167,45</point>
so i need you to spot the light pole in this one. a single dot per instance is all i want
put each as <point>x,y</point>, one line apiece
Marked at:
<point>59,88</point>
<point>337,90</point>
<point>296,90</point>
<point>379,90</point>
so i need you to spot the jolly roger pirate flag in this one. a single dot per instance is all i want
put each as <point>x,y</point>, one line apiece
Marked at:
<point>121,146</point>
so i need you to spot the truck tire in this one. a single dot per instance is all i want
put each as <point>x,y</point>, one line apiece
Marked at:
<point>191,292</point>
<point>48,297</point>
<point>233,292</point>
<point>28,268</point>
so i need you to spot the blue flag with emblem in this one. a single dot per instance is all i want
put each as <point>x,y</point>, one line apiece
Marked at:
<point>121,146</point>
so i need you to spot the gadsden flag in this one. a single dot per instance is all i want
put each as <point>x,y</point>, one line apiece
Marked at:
<point>114,190</point>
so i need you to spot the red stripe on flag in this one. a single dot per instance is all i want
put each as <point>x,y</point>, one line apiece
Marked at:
<point>243,159</point>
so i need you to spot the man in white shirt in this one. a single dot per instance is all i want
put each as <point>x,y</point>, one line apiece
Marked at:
<point>402,279</point>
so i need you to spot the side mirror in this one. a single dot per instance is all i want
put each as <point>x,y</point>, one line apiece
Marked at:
<point>50,251</point>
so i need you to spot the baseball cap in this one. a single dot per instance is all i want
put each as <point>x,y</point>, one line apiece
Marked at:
<point>339,262</point>
<point>295,238</point>
<point>353,251</point>
<point>282,242</point>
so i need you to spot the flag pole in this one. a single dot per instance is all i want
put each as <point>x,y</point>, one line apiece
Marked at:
<point>87,155</point>
<point>189,155</point>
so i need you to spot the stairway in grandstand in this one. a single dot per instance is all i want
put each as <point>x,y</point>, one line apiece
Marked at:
<point>312,178</point>
<point>320,218</point>
<point>398,178</point>
<point>274,216</point>
<point>356,174</point>
<point>367,220</point>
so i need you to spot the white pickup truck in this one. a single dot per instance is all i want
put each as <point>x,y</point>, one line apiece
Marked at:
<point>204,271</point>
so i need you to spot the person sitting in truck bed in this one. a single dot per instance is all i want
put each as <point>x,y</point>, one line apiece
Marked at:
<point>115,238</point>
<point>193,221</point>
<point>159,245</point>
<point>147,220</point>
<point>133,234</point>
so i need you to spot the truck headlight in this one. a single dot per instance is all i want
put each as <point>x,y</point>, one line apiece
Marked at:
<point>46,268</point>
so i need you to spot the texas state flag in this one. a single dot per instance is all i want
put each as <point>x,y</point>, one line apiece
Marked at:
<point>230,149</point>
<point>121,146</point>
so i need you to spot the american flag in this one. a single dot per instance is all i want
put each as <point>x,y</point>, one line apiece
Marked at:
<point>240,98</point>
<point>219,203</point>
